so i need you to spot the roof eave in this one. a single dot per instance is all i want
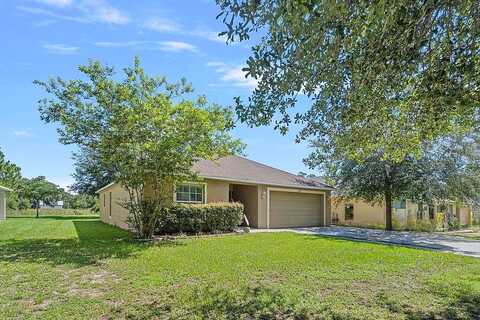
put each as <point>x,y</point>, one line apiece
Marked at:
<point>106,187</point>
<point>246,181</point>
<point>5,189</point>
<point>266,183</point>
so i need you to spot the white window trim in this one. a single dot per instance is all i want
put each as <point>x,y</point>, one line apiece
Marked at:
<point>297,191</point>
<point>204,184</point>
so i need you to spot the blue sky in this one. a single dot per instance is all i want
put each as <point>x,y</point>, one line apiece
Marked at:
<point>175,38</point>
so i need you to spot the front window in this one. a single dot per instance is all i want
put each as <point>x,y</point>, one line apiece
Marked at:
<point>349,212</point>
<point>400,204</point>
<point>190,193</point>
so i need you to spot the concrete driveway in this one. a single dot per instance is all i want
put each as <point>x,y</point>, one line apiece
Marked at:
<point>433,241</point>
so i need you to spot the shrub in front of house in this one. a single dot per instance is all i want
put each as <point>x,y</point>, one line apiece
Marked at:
<point>200,218</point>
<point>422,226</point>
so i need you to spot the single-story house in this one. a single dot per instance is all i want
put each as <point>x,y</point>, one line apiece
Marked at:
<point>272,198</point>
<point>404,212</point>
<point>3,202</point>
<point>55,205</point>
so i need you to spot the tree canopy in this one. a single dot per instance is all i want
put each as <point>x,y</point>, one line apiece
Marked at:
<point>90,173</point>
<point>10,177</point>
<point>448,170</point>
<point>39,190</point>
<point>10,173</point>
<point>142,131</point>
<point>381,76</point>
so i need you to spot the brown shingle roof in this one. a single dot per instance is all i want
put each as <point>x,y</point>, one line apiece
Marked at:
<point>235,168</point>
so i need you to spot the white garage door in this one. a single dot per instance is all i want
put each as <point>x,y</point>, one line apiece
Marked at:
<point>292,209</point>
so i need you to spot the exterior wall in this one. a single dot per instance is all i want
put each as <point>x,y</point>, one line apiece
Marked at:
<point>217,191</point>
<point>464,216</point>
<point>119,213</point>
<point>366,215</point>
<point>328,197</point>
<point>252,196</point>
<point>412,210</point>
<point>3,205</point>
<point>363,213</point>
<point>248,195</point>
<point>262,206</point>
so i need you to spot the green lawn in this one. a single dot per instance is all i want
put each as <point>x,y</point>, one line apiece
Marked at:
<point>78,268</point>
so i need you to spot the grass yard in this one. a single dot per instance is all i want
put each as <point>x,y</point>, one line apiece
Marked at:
<point>78,268</point>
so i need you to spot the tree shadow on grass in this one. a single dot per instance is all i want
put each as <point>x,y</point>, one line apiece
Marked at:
<point>270,303</point>
<point>96,242</point>
<point>457,303</point>
<point>47,217</point>
<point>215,303</point>
<point>254,303</point>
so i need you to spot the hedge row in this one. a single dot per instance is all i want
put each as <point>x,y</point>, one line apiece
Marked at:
<point>197,218</point>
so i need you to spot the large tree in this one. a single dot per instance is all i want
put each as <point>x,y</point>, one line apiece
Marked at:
<point>39,190</point>
<point>448,170</point>
<point>381,76</point>
<point>11,177</point>
<point>90,173</point>
<point>141,129</point>
<point>79,201</point>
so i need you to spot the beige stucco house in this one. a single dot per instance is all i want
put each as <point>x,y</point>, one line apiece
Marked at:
<point>405,212</point>
<point>3,202</point>
<point>272,198</point>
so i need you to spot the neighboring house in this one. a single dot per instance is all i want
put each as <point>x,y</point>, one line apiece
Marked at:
<point>476,215</point>
<point>57,205</point>
<point>3,202</point>
<point>360,213</point>
<point>272,198</point>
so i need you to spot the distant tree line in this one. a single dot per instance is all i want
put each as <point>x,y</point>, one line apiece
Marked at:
<point>37,191</point>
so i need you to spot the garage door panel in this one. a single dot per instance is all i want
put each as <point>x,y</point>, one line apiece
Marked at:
<point>291,209</point>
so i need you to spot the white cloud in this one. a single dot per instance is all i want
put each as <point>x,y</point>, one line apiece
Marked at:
<point>58,48</point>
<point>232,74</point>
<point>51,14</point>
<point>22,133</point>
<point>62,182</point>
<point>44,23</point>
<point>169,46</point>
<point>109,44</point>
<point>161,25</point>
<point>164,25</point>
<point>84,11</point>
<point>209,35</point>
<point>101,11</point>
<point>176,46</point>
<point>56,3</point>
<point>215,64</point>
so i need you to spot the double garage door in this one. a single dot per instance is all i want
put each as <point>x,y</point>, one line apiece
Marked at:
<point>293,209</point>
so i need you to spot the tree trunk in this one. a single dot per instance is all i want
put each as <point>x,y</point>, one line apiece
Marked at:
<point>38,208</point>
<point>388,210</point>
